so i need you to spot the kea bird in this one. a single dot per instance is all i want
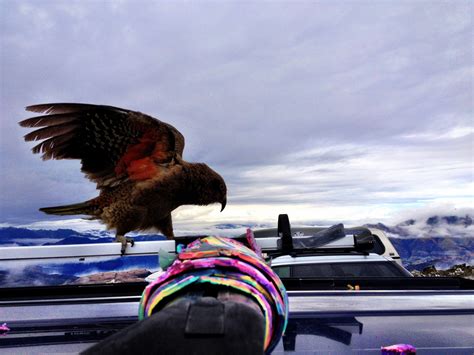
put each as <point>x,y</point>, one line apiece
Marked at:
<point>135,160</point>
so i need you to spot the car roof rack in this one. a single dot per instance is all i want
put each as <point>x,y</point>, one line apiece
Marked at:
<point>335,239</point>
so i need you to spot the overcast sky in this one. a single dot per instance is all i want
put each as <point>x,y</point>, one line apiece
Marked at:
<point>330,111</point>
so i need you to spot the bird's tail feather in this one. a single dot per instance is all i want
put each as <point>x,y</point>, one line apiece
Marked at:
<point>73,209</point>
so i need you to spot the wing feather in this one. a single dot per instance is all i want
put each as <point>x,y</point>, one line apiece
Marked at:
<point>113,144</point>
<point>54,119</point>
<point>51,131</point>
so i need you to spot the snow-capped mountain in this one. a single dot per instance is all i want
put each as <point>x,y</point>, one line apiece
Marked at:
<point>442,241</point>
<point>11,236</point>
<point>430,227</point>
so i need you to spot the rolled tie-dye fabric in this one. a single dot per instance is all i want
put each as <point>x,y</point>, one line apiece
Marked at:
<point>228,264</point>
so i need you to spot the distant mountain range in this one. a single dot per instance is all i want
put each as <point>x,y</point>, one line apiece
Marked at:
<point>434,226</point>
<point>12,236</point>
<point>441,241</point>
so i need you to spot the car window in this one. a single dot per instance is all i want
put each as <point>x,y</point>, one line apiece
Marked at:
<point>282,271</point>
<point>372,269</point>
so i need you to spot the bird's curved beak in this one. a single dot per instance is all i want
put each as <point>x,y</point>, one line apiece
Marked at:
<point>223,203</point>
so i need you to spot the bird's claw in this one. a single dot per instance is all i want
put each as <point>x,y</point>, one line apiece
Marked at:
<point>124,241</point>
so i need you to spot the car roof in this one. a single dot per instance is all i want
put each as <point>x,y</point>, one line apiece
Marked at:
<point>316,259</point>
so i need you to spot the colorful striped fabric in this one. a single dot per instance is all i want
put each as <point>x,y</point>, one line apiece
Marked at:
<point>228,264</point>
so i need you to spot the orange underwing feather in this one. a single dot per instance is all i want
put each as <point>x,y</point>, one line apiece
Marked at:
<point>142,169</point>
<point>135,152</point>
<point>142,156</point>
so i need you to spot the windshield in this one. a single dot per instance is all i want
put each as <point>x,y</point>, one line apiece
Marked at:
<point>145,119</point>
<point>341,270</point>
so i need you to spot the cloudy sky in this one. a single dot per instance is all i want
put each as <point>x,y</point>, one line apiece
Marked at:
<point>330,111</point>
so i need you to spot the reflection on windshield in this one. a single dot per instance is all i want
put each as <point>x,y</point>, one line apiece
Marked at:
<point>89,270</point>
<point>337,329</point>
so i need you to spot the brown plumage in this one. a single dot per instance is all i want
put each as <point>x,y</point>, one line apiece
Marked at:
<point>135,160</point>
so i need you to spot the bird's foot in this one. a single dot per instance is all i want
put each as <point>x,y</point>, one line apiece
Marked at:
<point>124,241</point>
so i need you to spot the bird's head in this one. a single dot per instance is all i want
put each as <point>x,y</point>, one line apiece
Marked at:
<point>208,186</point>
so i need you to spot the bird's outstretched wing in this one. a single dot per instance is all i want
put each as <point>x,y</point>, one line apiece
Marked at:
<point>113,144</point>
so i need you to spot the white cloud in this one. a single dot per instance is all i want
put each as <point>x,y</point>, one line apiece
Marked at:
<point>450,133</point>
<point>436,208</point>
